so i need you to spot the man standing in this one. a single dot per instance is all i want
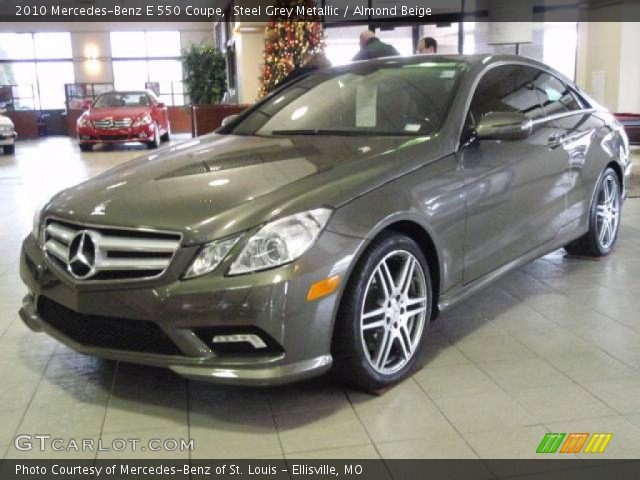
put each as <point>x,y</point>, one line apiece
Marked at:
<point>427,45</point>
<point>372,47</point>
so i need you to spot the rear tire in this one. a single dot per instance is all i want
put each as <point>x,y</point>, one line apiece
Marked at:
<point>604,219</point>
<point>384,314</point>
<point>86,147</point>
<point>9,149</point>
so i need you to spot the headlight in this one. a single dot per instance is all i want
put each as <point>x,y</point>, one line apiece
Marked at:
<point>37,221</point>
<point>210,257</point>
<point>143,120</point>
<point>281,241</point>
<point>84,122</point>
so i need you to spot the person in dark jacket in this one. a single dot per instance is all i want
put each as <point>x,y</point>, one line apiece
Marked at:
<point>314,62</point>
<point>372,47</point>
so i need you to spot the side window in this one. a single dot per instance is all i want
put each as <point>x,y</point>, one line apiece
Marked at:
<point>555,96</point>
<point>506,88</point>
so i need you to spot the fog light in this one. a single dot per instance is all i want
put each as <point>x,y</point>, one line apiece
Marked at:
<point>143,135</point>
<point>254,340</point>
<point>323,288</point>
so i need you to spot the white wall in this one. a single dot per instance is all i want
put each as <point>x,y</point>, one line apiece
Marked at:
<point>92,57</point>
<point>629,87</point>
<point>611,48</point>
<point>599,45</point>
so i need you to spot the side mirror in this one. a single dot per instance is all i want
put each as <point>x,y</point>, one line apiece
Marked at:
<point>86,105</point>
<point>229,119</point>
<point>504,126</point>
<point>161,105</point>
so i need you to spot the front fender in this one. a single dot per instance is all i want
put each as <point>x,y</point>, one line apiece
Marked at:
<point>431,197</point>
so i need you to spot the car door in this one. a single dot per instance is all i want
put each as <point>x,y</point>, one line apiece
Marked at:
<point>513,201</point>
<point>577,127</point>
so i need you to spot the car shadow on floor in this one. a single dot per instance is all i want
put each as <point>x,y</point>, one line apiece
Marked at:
<point>139,397</point>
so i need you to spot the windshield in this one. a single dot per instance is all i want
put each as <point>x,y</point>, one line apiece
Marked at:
<point>389,99</point>
<point>122,99</point>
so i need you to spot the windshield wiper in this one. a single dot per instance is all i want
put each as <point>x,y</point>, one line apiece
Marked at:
<point>318,132</point>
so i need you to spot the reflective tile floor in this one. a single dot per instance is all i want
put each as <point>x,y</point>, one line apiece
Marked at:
<point>554,346</point>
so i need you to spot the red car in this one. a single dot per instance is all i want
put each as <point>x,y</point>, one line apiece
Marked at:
<point>120,117</point>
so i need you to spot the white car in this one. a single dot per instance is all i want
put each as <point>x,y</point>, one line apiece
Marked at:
<point>7,135</point>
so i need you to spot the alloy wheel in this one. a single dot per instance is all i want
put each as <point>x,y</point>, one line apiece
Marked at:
<point>393,312</point>
<point>608,212</point>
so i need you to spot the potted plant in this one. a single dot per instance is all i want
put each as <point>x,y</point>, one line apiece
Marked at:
<point>205,81</point>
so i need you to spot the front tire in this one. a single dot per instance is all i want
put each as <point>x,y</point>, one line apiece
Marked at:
<point>156,138</point>
<point>383,316</point>
<point>167,136</point>
<point>9,149</point>
<point>604,219</point>
<point>86,147</point>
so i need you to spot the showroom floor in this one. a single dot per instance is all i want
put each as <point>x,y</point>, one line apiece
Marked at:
<point>554,346</point>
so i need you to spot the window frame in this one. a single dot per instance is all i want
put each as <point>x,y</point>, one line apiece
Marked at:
<point>578,99</point>
<point>509,65</point>
<point>463,134</point>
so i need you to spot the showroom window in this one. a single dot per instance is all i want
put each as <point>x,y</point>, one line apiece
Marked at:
<point>342,43</point>
<point>148,60</point>
<point>401,38</point>
<point>39,65</point>
<point>553,43</point>
<point>446,36</point>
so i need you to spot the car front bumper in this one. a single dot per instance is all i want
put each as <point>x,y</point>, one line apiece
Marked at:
<point>143,133</point>
<point>273,302</point>
<point>7,138</point>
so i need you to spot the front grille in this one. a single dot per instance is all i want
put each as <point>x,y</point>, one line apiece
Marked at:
<point>107,253</point>
<point>108,123</point>
<point>106,332</point>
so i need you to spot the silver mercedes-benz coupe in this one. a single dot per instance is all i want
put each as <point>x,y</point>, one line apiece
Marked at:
<point>325,226</point>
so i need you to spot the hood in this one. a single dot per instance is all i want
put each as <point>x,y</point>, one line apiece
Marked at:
<point>5,121</point>
<point>218,185</point>
<point>117,113</point>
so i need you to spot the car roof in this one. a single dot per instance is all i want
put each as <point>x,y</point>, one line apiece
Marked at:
<point>127,92</point>
<point>470,61</point>
<point>453,58</point>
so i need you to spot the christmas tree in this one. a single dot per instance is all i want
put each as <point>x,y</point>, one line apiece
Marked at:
<point>288,43</point>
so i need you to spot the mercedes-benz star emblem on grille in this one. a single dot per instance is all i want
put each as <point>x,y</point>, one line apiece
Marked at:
<point>82,255</point>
